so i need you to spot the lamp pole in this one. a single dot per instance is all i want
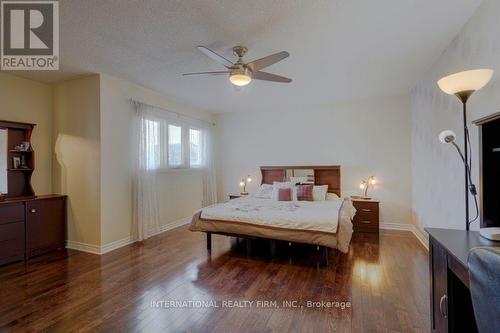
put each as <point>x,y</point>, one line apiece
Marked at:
<point>464,96</point>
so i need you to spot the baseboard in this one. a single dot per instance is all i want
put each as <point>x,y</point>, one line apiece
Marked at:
<point>117,244</point>
<point>84,247</point>
<point>175,224</point>
<point>96,249</point>
<point>407,227</point>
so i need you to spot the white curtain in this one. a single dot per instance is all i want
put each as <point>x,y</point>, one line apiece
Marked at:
<point>146,209</point>
<point>209,177</point>
<point>151,161</point>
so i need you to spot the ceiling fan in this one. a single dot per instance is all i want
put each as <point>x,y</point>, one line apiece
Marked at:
<point>241,73</point>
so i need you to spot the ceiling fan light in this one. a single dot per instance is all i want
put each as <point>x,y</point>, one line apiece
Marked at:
<point>240,79</point>
<point>471,80</point>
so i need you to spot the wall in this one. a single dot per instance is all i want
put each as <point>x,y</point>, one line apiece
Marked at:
<point>180,191</point>
<point>366,137</point>
<point>76,170</point>
<point>437,172</point>
<point>31,102</point>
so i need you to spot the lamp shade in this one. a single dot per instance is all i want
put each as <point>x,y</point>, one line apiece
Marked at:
<point>447,136</point>
<point>472,80</point>
<point>240,79</point>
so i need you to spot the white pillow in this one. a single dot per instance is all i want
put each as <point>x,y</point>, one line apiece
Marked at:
<point>265,191</point>
<point>319,192</point>
<point>278,185</point>
<point>331,196</point>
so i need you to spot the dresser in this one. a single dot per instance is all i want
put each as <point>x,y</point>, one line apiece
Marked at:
<point>450,298</point>
<point>367,215</point>
<point>31,226</point>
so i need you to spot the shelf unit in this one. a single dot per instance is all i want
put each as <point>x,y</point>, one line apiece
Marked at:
<point>19,179</point>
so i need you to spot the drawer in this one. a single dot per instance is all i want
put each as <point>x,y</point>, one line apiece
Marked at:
<point>366,216</point>
<point>11,213</point>
<point>12,231</point>
<point>11,242</point>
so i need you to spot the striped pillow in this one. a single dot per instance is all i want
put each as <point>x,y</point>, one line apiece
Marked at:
<point>304,192</point>
<point>285,194</point>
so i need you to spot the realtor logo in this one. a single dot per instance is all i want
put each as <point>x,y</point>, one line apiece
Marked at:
<point>29,35</point>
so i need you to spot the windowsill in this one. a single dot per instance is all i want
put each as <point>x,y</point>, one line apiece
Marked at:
<point>179,170</point>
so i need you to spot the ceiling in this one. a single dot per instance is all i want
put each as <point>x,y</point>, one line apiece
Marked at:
<point>339,50</point>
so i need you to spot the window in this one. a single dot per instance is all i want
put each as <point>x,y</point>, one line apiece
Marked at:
<point>152,138</point>
<point>166,145</point>
<point>195,148</point>
<point>175,150</point>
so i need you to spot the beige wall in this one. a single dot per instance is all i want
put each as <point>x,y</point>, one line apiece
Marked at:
<point>76,169</point>
<point>366,137</point>
<point>180,191</point>
<point>31,102</point>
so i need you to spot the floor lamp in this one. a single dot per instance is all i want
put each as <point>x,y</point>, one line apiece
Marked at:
<point>463,85</point>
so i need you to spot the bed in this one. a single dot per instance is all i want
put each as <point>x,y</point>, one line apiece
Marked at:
<point>322,223</point>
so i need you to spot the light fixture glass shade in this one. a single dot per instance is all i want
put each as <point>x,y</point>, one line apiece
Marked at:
<point>240,79</point>
<point>472,80</point>
<point>447,136</point>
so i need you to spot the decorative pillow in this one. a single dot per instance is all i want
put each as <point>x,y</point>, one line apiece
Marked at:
<point>265,191</point>
<point>304,192</point>
<point>319,192</point>
<point>278,185</point>
<point>285,194</point>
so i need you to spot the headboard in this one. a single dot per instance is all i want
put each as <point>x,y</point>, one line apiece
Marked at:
<point>323,175</point>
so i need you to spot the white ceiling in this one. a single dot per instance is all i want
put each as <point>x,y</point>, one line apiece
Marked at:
<point>340,49</point>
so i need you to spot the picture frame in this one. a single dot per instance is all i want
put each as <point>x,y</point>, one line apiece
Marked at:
<point>16,162</point>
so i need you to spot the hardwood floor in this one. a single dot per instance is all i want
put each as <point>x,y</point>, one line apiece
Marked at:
<point>385,281</point>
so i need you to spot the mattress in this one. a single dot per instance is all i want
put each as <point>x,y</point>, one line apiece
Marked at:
<point>326,223</point>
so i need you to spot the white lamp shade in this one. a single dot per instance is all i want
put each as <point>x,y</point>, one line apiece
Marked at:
<point>447,136</point>
<point>240,79</point>
<point>465,81</point>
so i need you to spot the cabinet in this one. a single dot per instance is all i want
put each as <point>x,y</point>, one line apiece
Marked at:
<point>439,288</point>
<point>31,226</point>
<point>367,216</point>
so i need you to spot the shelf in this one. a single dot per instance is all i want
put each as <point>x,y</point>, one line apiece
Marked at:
<point>20,151</point>
<point>20,169</point>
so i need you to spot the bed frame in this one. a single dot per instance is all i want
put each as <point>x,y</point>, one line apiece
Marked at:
<point>323,175</point>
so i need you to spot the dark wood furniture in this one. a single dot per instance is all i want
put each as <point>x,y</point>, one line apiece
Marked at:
<point>367,216</point>
<point>451,304</point>
<point>19,179</point>
<point>323,175</point>
<point>31,226</point>
<point>489,157</point>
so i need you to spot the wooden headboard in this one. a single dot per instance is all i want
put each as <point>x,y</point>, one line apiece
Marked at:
<point>323,175</point>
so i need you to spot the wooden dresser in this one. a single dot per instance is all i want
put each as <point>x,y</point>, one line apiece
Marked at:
<point>31,226</point>
<point>367,215</point>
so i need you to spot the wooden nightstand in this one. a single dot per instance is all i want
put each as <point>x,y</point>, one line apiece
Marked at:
<point>367,215</point>
<point>236,196</point>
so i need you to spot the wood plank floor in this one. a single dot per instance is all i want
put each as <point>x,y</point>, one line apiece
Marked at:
<point>385,280</point>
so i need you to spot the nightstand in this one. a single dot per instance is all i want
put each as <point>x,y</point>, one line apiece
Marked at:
<point>367,215</point>
<point>236,196</point>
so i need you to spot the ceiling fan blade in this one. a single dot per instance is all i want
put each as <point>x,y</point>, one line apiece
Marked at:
<point>261,63</point>
<point>206,73</point>
<point>214,56</point>
<point>270,77</point>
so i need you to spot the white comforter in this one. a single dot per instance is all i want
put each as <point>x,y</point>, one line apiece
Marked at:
<point>306,215</point>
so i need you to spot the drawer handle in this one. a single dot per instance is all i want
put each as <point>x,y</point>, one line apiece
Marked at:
<point>443,299</point>
<point>366,222</point>
<point>366,210</point>
<point>33,210</point>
